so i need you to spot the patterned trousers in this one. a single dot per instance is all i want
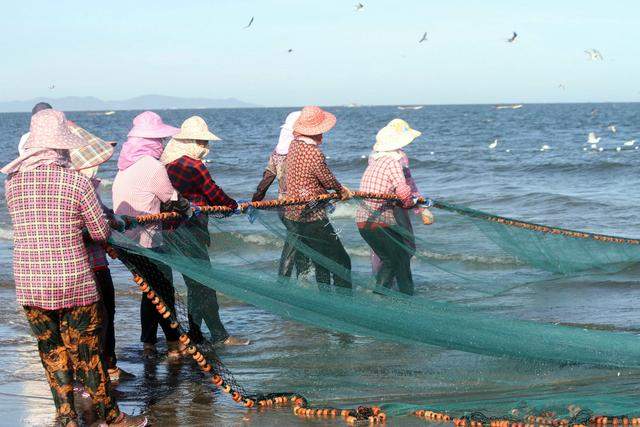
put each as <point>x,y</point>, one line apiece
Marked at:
<point>68,342</point>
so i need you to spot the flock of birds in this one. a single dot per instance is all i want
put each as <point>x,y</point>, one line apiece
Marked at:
<point>591,144</point>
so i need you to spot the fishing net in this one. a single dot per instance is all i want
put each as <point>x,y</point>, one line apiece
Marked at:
<point>480,306</point>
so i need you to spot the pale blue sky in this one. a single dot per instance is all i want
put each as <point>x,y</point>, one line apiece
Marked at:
<point>120,49</point>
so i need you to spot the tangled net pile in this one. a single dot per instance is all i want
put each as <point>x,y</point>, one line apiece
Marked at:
<point>457,307</point>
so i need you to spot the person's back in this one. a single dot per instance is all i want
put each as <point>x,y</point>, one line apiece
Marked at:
<point>138,190</point>
<point>48,206</point>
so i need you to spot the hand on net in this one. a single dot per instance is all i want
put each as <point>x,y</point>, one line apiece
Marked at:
<point>345,193</point>
<point>118,223</point>
<point>195,210</point>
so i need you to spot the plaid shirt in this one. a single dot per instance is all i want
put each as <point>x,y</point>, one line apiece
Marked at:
<point>49,207</point>
<point>192,179</point>
<point>307,175</point>
<point>384,174</point>
<point>96,252</point>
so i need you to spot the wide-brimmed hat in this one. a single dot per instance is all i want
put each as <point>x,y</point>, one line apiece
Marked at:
<point>96,152</point>
<point>49,129</point>
<point>395,135</point>
<point>195,128</point>
<point>150,125</point>
<point>314,121</point>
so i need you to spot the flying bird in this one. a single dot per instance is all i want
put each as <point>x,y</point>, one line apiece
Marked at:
<point>52,87</point>
<point>359,7</point>
<point>561,86</point>
<point>424,38</point>
<point>290,51</point>
<point>250,22</point>
<point>592,139</point>
<point>494,144</point>
<point>612,128</point>
<point>512,39</point>
<point>593,54</point>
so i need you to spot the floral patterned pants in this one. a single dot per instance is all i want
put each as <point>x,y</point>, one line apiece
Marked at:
<point>68,342</point>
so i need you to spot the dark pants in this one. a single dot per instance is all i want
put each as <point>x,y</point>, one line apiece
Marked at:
<point>202,301</point>
<point>105,287</point>
<point>396,262</point>
<point>68,342</point>
<point>291,256</point>
<point>320,237</point>
<point>159,277</point>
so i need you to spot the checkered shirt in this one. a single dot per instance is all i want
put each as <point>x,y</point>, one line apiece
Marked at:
<point>192,179</point>
<point>307,176</point>
<point>384,175</point>
<point>49,207</point>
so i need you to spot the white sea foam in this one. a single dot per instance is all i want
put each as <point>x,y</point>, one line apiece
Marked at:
<point>6,234</point>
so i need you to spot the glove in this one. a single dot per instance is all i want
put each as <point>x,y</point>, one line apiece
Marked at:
<point>252,214</point>
<point>118,223</point>
<point>196,210</point>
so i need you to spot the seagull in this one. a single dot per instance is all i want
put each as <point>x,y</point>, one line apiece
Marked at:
<point>593,139</point>
<point>630,143</point>
<point>561,86</point>
<point>612,128</point>
<point>594,55</point>
<point>290,51</point>
<point>359,7</point>
<point>52,87</point>
<point>250,22</point>
<point>618,148</point>
<point>494,144</point>
<point>424,38</point>
<point>545,147</point>
<point>512,39</point>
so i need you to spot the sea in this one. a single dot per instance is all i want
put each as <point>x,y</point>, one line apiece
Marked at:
<point>542,170</point>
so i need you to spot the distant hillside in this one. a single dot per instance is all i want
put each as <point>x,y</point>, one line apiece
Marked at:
<point>158,102</point>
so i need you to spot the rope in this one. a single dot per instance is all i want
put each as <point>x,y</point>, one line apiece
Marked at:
<point>223,380</point>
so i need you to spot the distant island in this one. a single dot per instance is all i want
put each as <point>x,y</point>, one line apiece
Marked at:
<point>144,102</point>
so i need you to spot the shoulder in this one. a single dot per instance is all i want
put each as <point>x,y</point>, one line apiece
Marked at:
<point>72,175</point>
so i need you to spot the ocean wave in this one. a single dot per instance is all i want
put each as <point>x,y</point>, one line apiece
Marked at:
<point>6,234</point>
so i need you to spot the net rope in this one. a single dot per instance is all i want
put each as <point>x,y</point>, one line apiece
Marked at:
<point>530,254</point>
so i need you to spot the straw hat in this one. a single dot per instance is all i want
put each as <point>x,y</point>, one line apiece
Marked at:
<point>96,152</point>
<point>49,129</point>
<point>314,121</point>
<point>395,135</point>
<point>195,128</point>
<point>150,125</point>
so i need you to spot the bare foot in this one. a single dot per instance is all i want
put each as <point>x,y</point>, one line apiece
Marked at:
<point>231,340</point>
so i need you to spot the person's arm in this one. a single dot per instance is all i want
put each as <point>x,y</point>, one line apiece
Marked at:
<point>161,186</point>
<point>323,173</point>
<point>215,195</point>
<point>92,215</point>
<point>402,188</point>
<point>269,175</point>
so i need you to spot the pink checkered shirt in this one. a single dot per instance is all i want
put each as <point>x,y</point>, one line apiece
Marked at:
<point>138,190</point>
<point>385,174</point>
<point>49,207</point>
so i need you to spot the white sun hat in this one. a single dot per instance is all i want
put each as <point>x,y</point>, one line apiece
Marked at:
<point>195,128</point>
<point>395,135</point>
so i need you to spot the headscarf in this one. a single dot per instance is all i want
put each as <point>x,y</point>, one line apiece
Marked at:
<point>135,148</point>
<point>177,148</point>
<point>35,157</point>
<point>286,133</point>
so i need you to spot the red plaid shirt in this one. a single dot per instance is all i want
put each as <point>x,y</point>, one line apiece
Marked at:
<point>192,179</point>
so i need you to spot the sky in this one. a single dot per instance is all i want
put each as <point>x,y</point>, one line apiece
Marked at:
<point>192,48</point>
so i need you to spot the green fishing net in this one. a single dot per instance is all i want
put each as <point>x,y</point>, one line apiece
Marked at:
<point>486,317</point>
